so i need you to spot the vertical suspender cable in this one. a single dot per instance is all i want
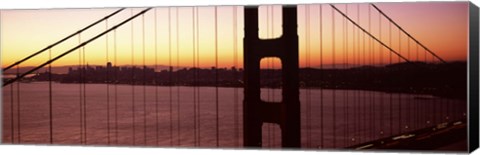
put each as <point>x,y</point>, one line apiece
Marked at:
<point>426,105</point>
<point>417,105</point>
<point>364,96</point>
<point>358,96</point>
<point>116,68</point>
<point>381,61</point>
<point>434,100</point>
<point>170,74</point>
<point>370,49</point>
<point>359,116</point>
<point>433,58</point>
<point>198,72</point>
<point>355,101</point>
<point>409,105</point>
<point>144,83</point>
<point>309,110</point>
<point>178,74</point>
<point>374,93</point>
<point>399,94</point>
<point>342,58</point>
<point>79,69</point>
<point>84,96</point>
<point>12,123</point>
<point>391,93</point>
<point>334,81</point>
<point>235,76</point>
<point>107,83</point>
<point>50,95</point>
<point>364,92</point>
<point>357,92</point>
<point>347,106</point>
<point>18,108</point>
<point>425,56</point>
<point>156,77</point>
<point>133,78</point>
<point>417,52</point>
<point>308,91</point>
<point>408,48</point>
<point>216,78</point>
<point>361,94</point>
<point>321,76</point>
<point>194,79</point>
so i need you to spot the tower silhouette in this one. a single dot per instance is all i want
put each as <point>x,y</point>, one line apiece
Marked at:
<point>285,113</point>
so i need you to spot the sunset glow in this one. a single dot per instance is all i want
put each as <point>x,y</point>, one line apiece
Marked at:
<point>442,27</point>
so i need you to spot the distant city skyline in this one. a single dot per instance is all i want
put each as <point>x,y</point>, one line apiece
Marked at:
<point>352,78</point>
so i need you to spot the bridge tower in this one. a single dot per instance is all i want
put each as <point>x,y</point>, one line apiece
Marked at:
<point>285,113</point>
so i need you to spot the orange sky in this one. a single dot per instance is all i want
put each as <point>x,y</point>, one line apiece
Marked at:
<point>441,26</point>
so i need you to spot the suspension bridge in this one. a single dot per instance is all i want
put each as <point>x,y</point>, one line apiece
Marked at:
<point>345,76</point>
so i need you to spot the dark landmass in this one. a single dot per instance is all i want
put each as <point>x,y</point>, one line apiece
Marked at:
<point>445,80</point>
<point>65,69</point>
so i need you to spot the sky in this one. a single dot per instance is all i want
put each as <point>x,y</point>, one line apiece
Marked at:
<point>440,26</point>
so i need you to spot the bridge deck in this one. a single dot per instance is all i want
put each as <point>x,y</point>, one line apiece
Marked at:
<point>449,136</point>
